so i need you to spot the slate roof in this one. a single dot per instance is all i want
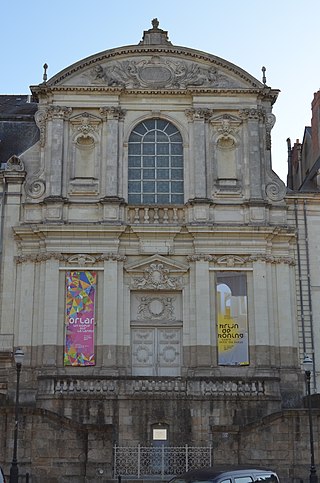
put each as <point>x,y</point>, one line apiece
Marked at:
<point>18,130</point>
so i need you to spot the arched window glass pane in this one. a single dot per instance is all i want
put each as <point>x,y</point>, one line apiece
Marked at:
<point>155,164</point>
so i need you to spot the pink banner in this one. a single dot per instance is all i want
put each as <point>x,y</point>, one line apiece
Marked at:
<point>80,318</point>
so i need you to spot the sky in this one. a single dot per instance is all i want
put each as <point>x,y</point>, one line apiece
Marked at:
<point>281,35</point>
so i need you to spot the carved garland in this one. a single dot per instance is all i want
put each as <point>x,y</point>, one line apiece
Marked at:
<point>79,259</point>
<point>236,261</point>
<point>156,276</point>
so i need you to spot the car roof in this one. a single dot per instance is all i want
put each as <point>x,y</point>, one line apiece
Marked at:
<point>212,472</point>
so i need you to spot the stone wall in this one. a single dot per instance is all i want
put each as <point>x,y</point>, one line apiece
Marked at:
<point>55,449</point>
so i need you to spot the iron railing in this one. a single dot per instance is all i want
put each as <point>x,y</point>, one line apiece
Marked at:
<point>159,461</point>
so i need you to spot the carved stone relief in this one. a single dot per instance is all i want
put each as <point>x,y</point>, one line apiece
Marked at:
<point>155,307</point>
<point>15,164</point>
<point>49,113</point>
<point>226,125</point>
<point>81,259</point>
<point>257,114</point>
<point>112,112</point>
<point>276,191</point>
<point>85,124</point>
<point>198,113</point>
<point>270,122</point>
<point>237,261</point>
<point>158,72</point>
<point>156,276</point>
<point>156,351</point>
<point>35,187</point>
<point>78,259</point>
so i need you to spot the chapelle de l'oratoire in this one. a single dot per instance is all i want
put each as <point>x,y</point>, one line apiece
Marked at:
<point>150,271</point>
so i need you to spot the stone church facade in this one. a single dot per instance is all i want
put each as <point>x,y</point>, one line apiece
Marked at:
<point>148,268</point>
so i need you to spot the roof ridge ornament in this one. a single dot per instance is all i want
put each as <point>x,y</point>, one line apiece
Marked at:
<point>45,76</point>
<point>155,23</point>
<point>264,79</point>
<point>155,36</point>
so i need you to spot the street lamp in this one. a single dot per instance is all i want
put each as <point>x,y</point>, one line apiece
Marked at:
<point>308,366</point>
<point>14,471</point>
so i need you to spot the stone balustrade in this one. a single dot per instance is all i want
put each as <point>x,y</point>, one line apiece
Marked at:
<point>155,215</point>
<point>196,386</point>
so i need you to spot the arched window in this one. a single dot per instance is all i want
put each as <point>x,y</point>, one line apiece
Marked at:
<point>155,164</point>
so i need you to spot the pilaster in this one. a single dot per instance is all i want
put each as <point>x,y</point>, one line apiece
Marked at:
<point>197,128</point>
<point>50,315</point>
<point>252,147</point>
<point>56,115</point>
<point>112,117</point>
<point>202,303</point>
<point>260,297</point>
<point>11,183</point>
<point>25,298</point>
<point>111,331</point>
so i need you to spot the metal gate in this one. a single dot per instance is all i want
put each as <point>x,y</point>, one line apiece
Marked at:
<point>150,461</point>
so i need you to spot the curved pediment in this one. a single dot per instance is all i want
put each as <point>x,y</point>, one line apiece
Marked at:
<point>161,67</point>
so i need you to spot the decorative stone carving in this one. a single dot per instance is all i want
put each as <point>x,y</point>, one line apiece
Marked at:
<point>40,118</point>
<point>226,125</point>
<point>270,122</point>
<point>81,259</point>
<point>58,112</point>
<point>35,188</point>
<point>236,261</point>
<point>51,112</point>
<point>158,72</point>
<point>14,164</point>
<point>276,191</point>
<point>113,112</point>
<point>252,113</point>
<point>231,261</point>
<point>156,276</point>
<point>155,35</point>
<point>155,308</point>
<point>201,257</point>
<point>198,113</point>
<point>271,259</point>
<point>40,257</point>
<point>85,124</point>
<point>111,256</point>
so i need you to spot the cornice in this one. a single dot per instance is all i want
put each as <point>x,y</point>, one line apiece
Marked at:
<point>151,273</point>
<point>121,90</point>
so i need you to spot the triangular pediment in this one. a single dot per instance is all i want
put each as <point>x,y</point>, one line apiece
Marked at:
<point>85,117</point>
<point>156,260</point>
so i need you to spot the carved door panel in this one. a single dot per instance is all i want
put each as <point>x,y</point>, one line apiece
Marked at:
<point>156,351</point>
<point>143,351</point>
<point>169,351</point>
